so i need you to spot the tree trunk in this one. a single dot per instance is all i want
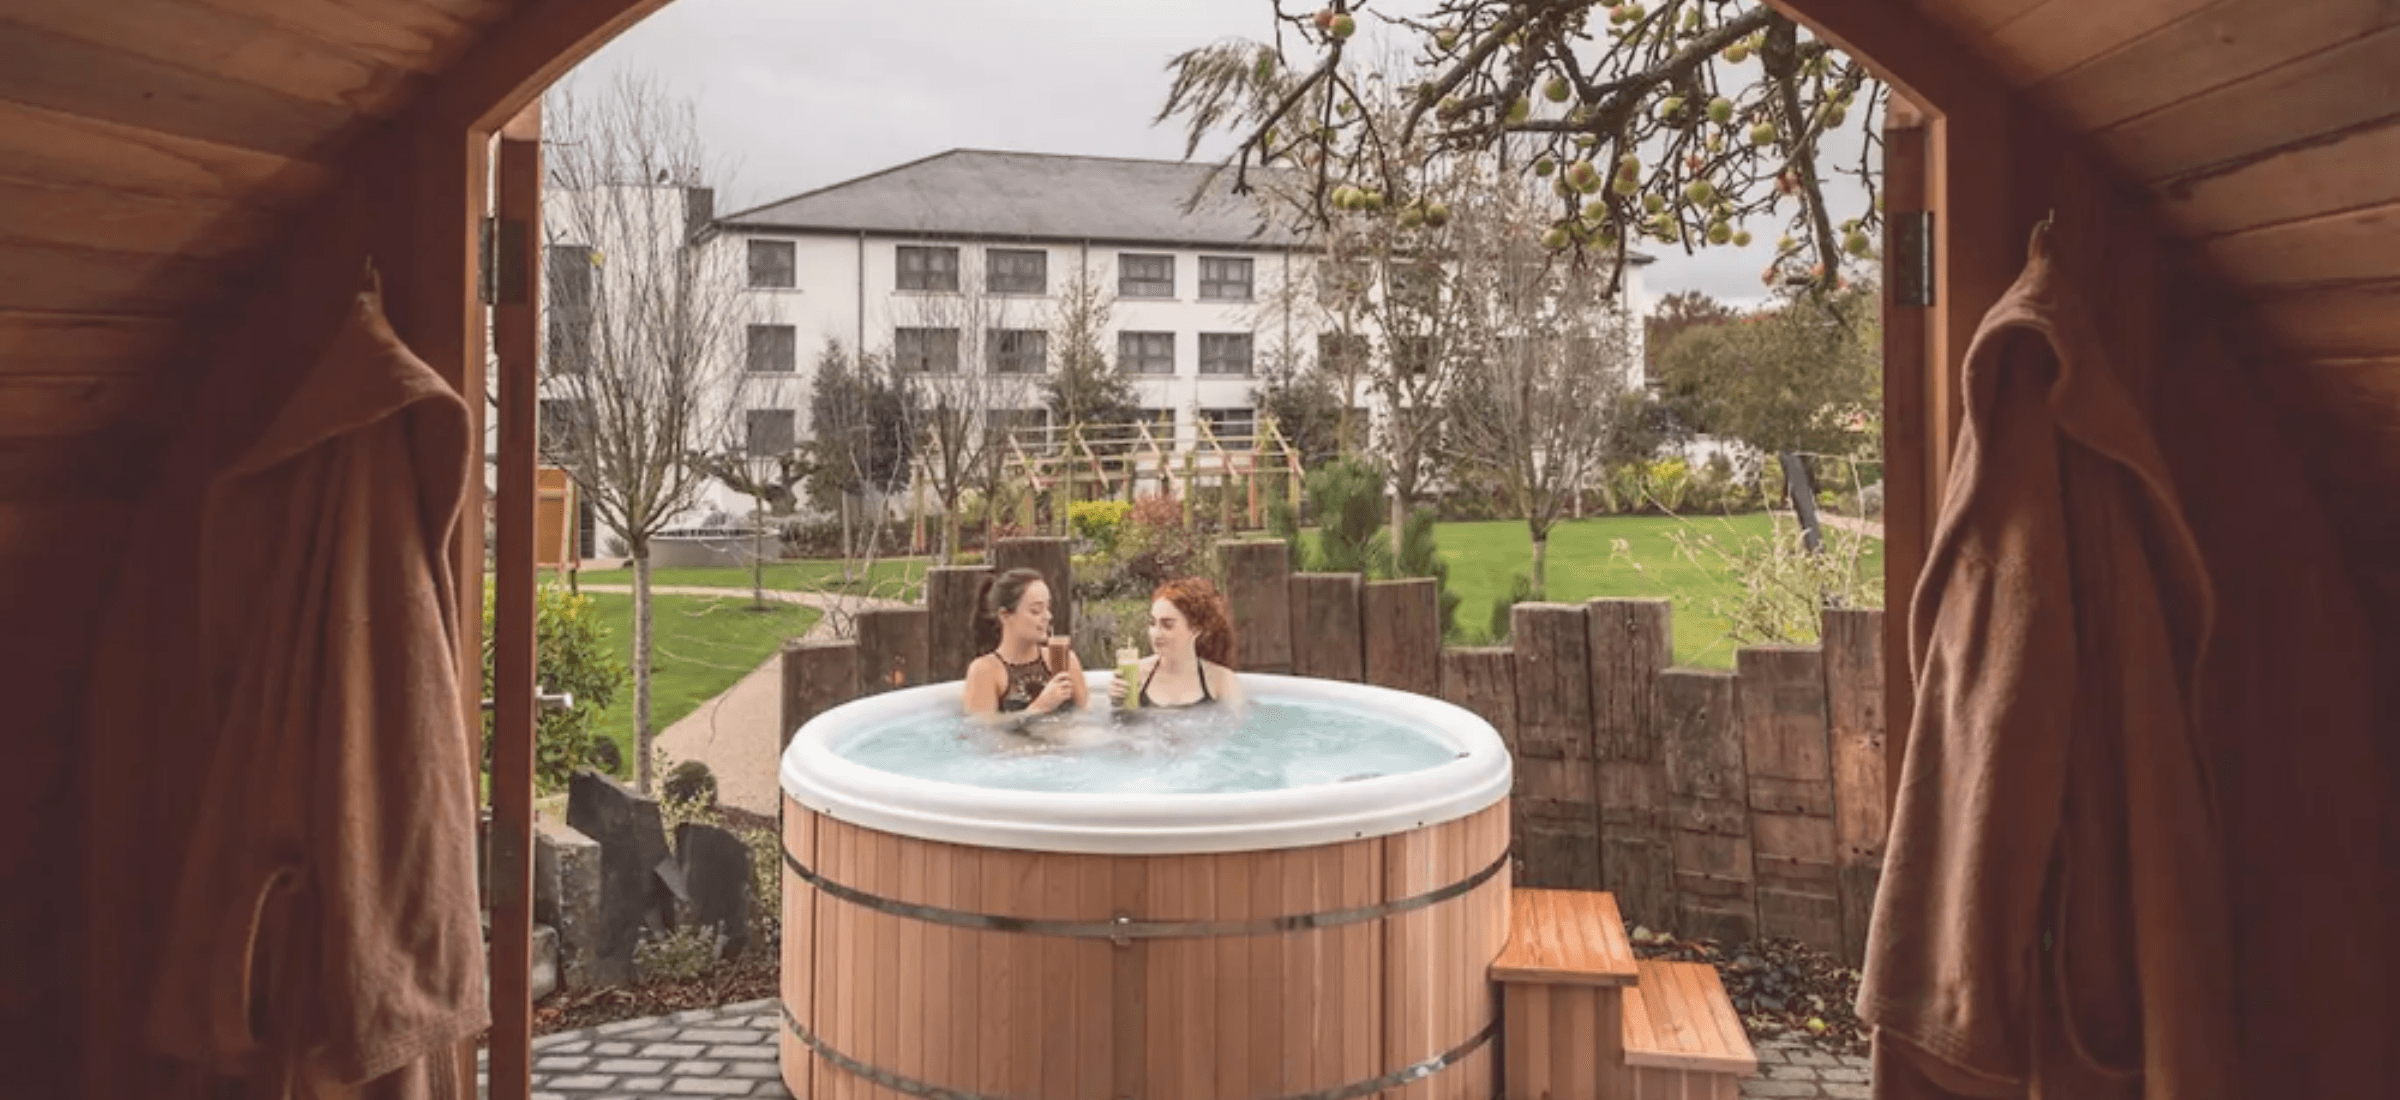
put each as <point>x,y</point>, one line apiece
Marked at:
<point>849,541</point>
<point>1399,522</point>
<point>1804,500</point>
<point>641,667</point>
<point>758,552</point>
<point>1541,564</point>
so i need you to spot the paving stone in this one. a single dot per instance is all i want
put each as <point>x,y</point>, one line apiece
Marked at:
<point>718,1035</point>
<point>612,1050</point>
<point>588,1082</point>
<point>645,1086</point>
<point>763,1004</point>
<point>1815,1058</point>
<point>700,1069</point>
<point>560,1063</point>
<point>1791,1073</point>
<point>660,1033</point>
<point>768,1068</point>
<point>631,1065</point>
<point>548,1096</point>
<point>671,1050</point>
<point>1770,1055</point>
<point>698,1086</point>
<point>1849,1092</point>
<point>565,1042</point>
<point>622,1026</point>
<point>745,1051</point>
<point>1842,1073</point>
<point>1779,1089</point>
<point>695,1015</point>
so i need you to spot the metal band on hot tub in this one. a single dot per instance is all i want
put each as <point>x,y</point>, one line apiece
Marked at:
<point>1123,929</point>
<point>914,1087</point>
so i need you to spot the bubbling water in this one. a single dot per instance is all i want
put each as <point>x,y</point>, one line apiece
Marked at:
<point>1202,750</point>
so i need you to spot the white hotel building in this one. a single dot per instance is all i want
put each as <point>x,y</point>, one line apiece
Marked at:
<point>956,261</point>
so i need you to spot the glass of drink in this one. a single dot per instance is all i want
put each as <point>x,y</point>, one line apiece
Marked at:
<point>1129,669</point>
<point>1060,650</point>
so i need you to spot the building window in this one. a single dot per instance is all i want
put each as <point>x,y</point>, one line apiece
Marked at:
<point>1232,427</point>
<point>926,267</point>
<point>925,350</point>
<point>1341,286</point>
<point>1416,287</point>
<point>561,423</point>
<point>1341,353</point>
<point>1162,425</point>
<point>770,431</point>
<point>1030,426</point>
<point>1224,279</point>
<point>1017,351</point>
<point>567,316</point>
<point>1146,352</point>
<point>773,348</point>
<point>1412,356</point>
<point>1225,353</point>
<point>1145,275</point>
<point>773,265</point>
<point>1016,271</point>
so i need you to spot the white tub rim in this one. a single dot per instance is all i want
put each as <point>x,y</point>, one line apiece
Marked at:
<point>1149,823</point>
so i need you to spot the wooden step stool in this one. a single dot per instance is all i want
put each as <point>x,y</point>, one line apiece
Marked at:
<point>1582,1019</point>
<point>1682,1038</point>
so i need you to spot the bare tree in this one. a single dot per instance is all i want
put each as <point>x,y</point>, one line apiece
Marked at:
<point>1677,121</point>
<point>644,318</point>
<point>973,362</point>
<point>1544,348</point>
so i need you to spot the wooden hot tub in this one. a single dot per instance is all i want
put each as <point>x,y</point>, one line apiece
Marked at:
<point>974,944</point>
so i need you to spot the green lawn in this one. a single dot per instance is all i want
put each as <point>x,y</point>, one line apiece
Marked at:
<point>1485,557</point>
<point>891,578</point>
<point>699,648</point>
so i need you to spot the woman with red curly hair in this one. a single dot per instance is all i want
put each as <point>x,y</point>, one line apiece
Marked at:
<point>1191,650</point>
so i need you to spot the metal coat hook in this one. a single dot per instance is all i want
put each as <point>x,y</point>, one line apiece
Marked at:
<point>373,278</point>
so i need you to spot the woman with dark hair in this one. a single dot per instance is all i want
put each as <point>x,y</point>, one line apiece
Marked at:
<point>1013,677</point>
<point>1191,650</point>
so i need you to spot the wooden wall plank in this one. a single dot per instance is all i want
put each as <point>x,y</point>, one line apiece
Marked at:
<point>112,465</point>
<point>2297,183</point>
<point>1631,642</point>
<point>2215,45</point>
<point>411,37</point>
<point>2336,322</point>
<point>950,593</point>
<point>1053,559</point>
<point>1400,622</point>
<point>72,151</point>
<point>1559,813</point>
<point>80,216</point>
<point>817,677</point>
<point>61,279</point>
<point>81,343</point>
<point>1787,753</point>
<point>48,70</point>
<point>198,37</point>
<point>2350,246</point>
<point>50,406</point>
<point>1909,359</point>
<point>1854,671</point>
<point>2351,85</point>
<point>1326,639</point>
<point>1700,728</point>
<point>1257,588</point>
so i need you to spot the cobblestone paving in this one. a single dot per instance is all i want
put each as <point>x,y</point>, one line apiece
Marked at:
<point>730,1051</point>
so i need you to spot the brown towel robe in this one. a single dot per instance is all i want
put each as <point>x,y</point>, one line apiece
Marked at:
<point>2052,917</point>
<point>324,931</point>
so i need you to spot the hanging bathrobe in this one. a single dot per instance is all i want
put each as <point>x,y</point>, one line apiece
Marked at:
<point>324,938</point>
<point>2052,916</point>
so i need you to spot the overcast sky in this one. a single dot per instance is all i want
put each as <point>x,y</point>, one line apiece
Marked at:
<point>798,94</point>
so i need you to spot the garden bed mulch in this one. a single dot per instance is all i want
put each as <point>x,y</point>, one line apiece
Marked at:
<point>1781,988</point>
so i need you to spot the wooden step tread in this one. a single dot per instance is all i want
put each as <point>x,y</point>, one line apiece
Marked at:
<point>1567,937</point>
<point>1678,1016</point>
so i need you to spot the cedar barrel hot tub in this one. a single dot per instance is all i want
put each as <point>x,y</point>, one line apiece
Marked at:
<point>1329,941</point>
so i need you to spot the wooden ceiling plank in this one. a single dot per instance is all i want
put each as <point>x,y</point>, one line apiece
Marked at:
<point>409,38</point>
<point>204,40</point>
<point>42,69</point>
<point>119,222</point>
<point>2352,85</point>
<point>2211,48</point>
<point>1971,20</point>
<point>64,149</point>
<point>55,406</point>
<point>2351,246</point>
<point>2058,36</point>
<point>50,529</point>
<point>79,280</point>
<point>81,343</point>
<point>2301,183</point>
<point>2361,321</point>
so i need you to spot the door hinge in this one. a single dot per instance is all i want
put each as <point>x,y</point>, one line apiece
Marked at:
<point>1912,257</point>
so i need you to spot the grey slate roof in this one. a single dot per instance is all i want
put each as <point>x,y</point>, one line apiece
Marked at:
<point>982,193</point>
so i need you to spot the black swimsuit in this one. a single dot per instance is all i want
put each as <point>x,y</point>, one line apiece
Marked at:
<point>1205,696</point>
<point>1024,684</point>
